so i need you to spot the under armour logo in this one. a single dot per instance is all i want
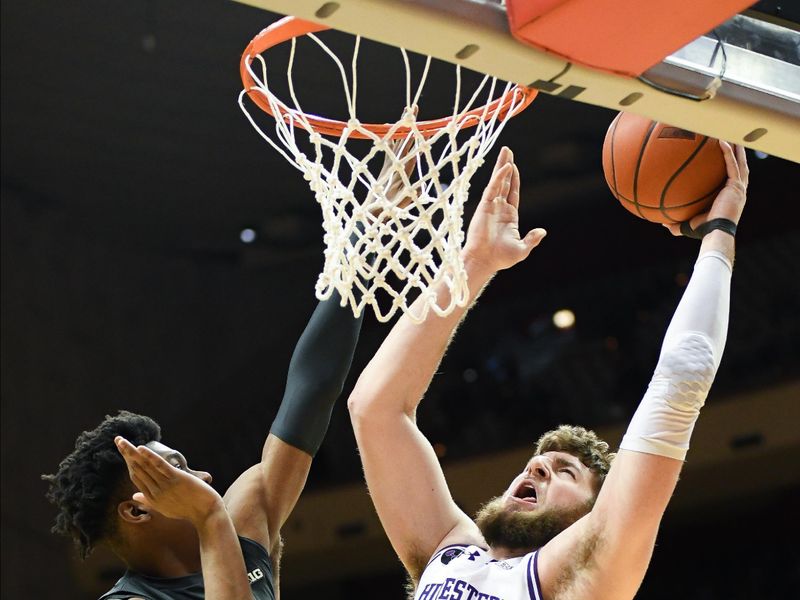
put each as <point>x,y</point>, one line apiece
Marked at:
<point>450,555</point>
<point>473,555</point>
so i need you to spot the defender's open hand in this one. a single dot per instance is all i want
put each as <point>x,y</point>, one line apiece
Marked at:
<point>493,237</point>
<point>171,491</point>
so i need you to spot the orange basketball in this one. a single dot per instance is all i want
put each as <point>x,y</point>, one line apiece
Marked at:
<point>661,173</point>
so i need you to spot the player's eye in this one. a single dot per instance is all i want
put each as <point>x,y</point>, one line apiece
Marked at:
<point>569,471</point>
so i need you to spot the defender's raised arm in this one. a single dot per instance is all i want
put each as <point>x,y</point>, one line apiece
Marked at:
<point>262,498</point>
<point>179,493</point>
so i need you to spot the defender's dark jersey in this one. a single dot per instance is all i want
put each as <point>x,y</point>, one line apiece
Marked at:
<point>190,587</point>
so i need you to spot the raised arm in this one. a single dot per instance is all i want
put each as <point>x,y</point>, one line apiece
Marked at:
<point>178,494</point>
<point>606,554</point>
<point>262,498</point>
<point>404,477</point>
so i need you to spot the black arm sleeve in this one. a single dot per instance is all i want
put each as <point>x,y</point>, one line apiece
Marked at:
<point>317,372</point>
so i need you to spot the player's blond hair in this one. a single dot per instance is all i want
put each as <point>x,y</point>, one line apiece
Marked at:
<point>581,443</point>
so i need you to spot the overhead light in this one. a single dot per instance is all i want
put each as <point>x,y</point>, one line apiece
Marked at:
<point>470,375</point>
<point>440,449</point>
<point>564,318</point>
<point>149,43</point>
<point>760,154</point>
<point>248,236</point>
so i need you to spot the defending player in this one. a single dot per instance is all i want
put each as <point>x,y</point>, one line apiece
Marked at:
<point>164,520</point>
<point>166,523</point>
<point>572,524</point>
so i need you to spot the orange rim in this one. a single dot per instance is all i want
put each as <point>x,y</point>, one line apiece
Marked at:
<point>292,27</point>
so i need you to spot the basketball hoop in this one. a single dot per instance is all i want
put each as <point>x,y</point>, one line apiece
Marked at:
<point>403,234</point>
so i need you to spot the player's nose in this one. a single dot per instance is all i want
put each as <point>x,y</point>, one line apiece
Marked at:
<point>538,466</point>
<point>204,476</point>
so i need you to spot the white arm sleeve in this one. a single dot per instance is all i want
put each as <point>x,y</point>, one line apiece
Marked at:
<point>690,355</point>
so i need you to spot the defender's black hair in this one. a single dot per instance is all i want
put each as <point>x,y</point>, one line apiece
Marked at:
<point>89,478</point>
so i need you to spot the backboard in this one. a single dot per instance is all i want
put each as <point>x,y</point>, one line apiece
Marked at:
<point>756,104</point>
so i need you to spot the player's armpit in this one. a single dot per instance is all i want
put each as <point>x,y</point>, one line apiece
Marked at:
<point>263,497</point>
<point>606,553</point>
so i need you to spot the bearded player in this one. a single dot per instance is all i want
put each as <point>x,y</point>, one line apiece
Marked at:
<point>578,521</point>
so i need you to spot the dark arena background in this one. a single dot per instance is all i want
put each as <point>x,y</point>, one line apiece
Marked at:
<point>128,177</point>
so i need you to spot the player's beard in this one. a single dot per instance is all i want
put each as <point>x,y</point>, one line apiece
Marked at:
<point>524,529</point>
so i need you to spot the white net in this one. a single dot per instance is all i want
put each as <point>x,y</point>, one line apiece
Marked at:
<point>396,235</point>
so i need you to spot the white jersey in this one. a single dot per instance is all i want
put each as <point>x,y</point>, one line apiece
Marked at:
<point>461,572</point>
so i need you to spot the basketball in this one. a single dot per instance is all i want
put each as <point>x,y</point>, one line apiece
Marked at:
<point>661,173</point>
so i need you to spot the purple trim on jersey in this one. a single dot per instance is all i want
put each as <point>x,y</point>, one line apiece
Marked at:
<point>442,549</point>
<point>534,585</point>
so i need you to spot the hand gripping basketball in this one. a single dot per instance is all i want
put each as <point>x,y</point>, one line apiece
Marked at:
<point>726,210</point>
<point>661,173</point>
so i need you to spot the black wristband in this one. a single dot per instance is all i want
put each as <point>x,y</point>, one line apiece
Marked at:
<point>725,225</point>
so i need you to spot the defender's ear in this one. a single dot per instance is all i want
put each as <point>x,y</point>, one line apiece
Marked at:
<point>132,512</point>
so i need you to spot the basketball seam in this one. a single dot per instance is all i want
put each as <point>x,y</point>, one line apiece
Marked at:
<point>675,175</point>
<point>700,199</point>
<point>638,167</point>
<point>613,165</point>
